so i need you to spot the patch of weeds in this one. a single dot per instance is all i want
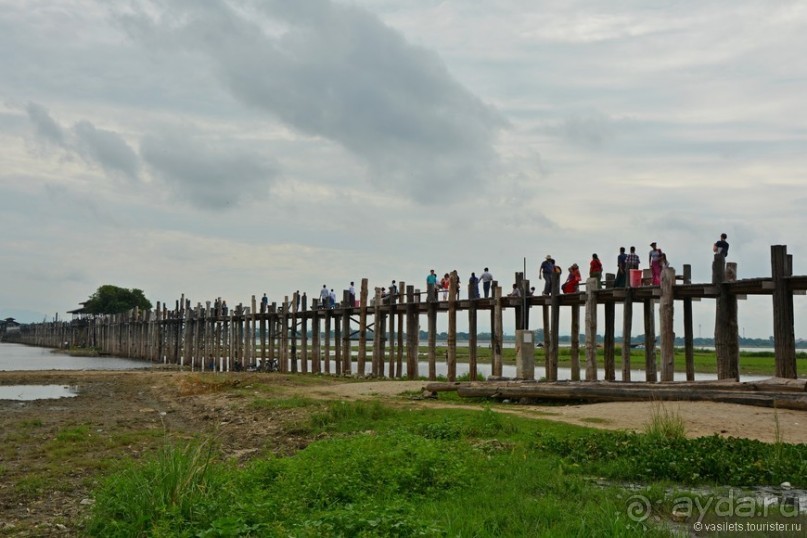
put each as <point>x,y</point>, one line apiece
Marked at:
<point>32,485</point>
<point>704,460</point>
<point>76,434</point>
<point>665,424</point>
<point>179,484</point>
<point>349,414</point>
<point>32,423</point>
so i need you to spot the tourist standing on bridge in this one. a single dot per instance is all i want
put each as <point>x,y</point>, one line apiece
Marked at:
<point>721,247</point>
<point>264,302</point>
<point>621,269</point>
<point>655,264</point>
<point>445,282</point>
<point>324,297</point>
<point>351,293</point>
<point>432,285</point>
<point>595,269</point>
<point>473,287</point>
<point>486,279</point>
<point>632,260</point>
<point>546,270</point>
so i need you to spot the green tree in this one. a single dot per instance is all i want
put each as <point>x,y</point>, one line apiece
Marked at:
<point>110,299</point>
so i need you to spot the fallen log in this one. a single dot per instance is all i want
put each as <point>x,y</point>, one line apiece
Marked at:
<point>614,392</point>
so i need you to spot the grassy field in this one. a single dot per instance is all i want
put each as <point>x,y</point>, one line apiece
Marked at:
<point>751,363</point>
<point>379,470</point>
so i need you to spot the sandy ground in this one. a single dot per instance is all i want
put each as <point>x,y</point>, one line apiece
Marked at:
<point>700,418</point>
<point>54,452</point>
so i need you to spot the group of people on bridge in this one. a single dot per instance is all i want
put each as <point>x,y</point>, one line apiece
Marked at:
<point>626,262</point>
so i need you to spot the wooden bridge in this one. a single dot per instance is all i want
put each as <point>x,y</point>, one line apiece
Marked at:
<point>211,337</point>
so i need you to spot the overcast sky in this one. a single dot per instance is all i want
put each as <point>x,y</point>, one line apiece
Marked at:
<point>230,148</point>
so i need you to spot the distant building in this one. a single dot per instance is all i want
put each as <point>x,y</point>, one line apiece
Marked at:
<point>8,326</point>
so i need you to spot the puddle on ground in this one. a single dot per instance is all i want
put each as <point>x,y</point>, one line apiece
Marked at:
<point>37,392</point>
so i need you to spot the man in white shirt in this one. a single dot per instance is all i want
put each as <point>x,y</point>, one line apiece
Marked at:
<point>486,279</point>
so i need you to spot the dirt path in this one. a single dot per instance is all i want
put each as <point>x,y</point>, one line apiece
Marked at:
<point>54,452</point>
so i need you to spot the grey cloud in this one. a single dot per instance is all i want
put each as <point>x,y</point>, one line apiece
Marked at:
<point>96,146</point>
<point>107,149</point>
<point>338,72</point>
<point>45,126</point>
<point>211,176</point>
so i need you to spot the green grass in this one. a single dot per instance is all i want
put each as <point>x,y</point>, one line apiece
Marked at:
<point>704,360</point>
<point>380,471</point>
<point>291,402</point>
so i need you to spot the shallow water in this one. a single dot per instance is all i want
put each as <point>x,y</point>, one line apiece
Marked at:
<point>37,392</point>
<point>17,357</point>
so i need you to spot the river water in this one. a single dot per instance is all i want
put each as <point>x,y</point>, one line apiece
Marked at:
<point>16,357</point>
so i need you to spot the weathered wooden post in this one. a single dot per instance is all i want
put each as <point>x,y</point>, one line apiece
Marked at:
<point>608,346</point>
<point>727,336</point>
<point>784,337</point>
<point>666,311</point>
<point>393,311</point>
<point>328,316</point>
<point>472,358</point>
<point>362,357</point>
<point>316,360</point>
<point>546,319</point>
<point>574,351</point>
<point>295,300</point>
<point>689,347</point>
<point>304,334</point>
<point>271,333</point>
<point>337,341</point>
<point>497,334</point>
<point>378,336</point>
<point>591,328</point>
<point>650,341</point>
<point>401,314</point>
<point>347,350</point>
<point>412,330</point>
<point>452,326</point>
<point>627,327</point>
<point>431,315</point>
<point>262,329</point>
<point>551,354</point>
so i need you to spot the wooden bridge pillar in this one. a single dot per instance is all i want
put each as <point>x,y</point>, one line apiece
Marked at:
<point>689,347</point>
<point>627,329</point>
<point>591,329</point>
<point>551,354</point>
<point>575,342</point>
<point>784,337</point>
<point>496,333</point>
<point>347,350</point>
<point>727,346</point>
<point>362,358</point>
<point>431,318</point>
<point>650,341</point>
<point>452,327</point>
<point>412,330</point>
<point>666,311</point>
